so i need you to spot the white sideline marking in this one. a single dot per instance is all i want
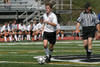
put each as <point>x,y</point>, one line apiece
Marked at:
<point>73,61</point>
<point>92,45</point>
<point>9,62</point>
<point>39,43</point>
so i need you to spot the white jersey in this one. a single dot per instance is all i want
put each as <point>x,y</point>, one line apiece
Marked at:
<point>4,28</point>
<point>21,27</point>
<point>28,27</point>
<point>34,28</point>
<point>9,27</point>
<point>14,26</point>
<point>39,26</point>
<point>50,18</point>
<point>24,28</point>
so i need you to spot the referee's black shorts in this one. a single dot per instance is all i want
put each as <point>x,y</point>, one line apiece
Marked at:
<point>50,36</point>
<point>88,32</point>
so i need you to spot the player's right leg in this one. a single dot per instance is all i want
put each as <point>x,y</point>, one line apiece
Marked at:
<point>45,44</point>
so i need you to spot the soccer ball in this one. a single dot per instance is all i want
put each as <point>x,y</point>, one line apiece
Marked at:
<point>41,60</point>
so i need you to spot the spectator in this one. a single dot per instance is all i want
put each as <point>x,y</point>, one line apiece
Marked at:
<point>99,16</point>
<point>6,1</point>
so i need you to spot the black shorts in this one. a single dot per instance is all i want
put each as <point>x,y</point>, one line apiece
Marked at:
<point>50,36</point>
<point>88,32</point>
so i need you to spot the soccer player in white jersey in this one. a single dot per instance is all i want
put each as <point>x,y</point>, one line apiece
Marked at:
<point>29,32</point>
<point>39,28</point>
<point>34,29</point>
<point>24,31</point>
<point>10,31</point>
<point>14,25</point>
<point>5,31</point>
<point>1,31</point>
<point>59,32</point>
<point>20,32</point>
<point>49,35</point>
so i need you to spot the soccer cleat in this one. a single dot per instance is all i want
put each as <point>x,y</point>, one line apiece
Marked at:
<point>88,55</point>
<point>48,59</point>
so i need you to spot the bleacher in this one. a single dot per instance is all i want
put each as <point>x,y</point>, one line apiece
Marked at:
<point>16,8</point>
<point>21,5</point>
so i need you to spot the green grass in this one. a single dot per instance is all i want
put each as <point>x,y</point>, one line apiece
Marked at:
<point>21,55</point>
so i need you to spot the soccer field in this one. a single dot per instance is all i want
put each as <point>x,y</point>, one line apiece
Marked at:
<point>67,54</point>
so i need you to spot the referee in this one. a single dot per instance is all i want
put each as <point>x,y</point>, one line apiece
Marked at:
<point>50,23</point>
<point>89,22</point>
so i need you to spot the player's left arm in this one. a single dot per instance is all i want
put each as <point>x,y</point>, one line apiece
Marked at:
<point>50,23</point>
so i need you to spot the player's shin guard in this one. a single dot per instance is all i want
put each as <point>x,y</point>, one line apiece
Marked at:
<point>19,37</point>
<point>35,37</point>
<point>22,37</point>
<point>29,37</point>
<point>5,39</point>
<point>58,36</point>
<point>16,37</point>
<point>39,36</point>
<point>50,52</point>
<point>47,55</point>
<point>46,51</point>
<point>62,36</point>
<point>10,38</point>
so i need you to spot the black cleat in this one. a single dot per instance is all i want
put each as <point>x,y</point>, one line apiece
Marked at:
<point>88,56</point>
<point>48,59</point>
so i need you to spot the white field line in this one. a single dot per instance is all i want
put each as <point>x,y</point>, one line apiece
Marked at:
<point>38,43</point>
<point>66,64</point>
<point>16,55</point>
<point>95,45</point>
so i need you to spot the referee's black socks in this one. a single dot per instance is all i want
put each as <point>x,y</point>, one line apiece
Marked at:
<point>86,47</point>
<point>89,53</point>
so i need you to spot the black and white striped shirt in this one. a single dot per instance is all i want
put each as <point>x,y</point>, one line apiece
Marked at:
<point>88,19</point>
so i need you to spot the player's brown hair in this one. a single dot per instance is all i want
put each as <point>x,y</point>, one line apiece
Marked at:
<point>50,5</point>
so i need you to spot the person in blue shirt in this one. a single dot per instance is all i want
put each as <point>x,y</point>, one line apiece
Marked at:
<point>99,16</point>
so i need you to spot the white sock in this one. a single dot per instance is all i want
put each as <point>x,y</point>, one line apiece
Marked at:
<point>5,39</point>
<point>50,52</point>
<point>46,51</point>
<point>35,37</point>
<point>39,36</point>
<point>58,36</point>
<point>22,37</point>
<point>62,36</point>
<point>16,37</point>
<point>29,37</point>
<point>10,38</point>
